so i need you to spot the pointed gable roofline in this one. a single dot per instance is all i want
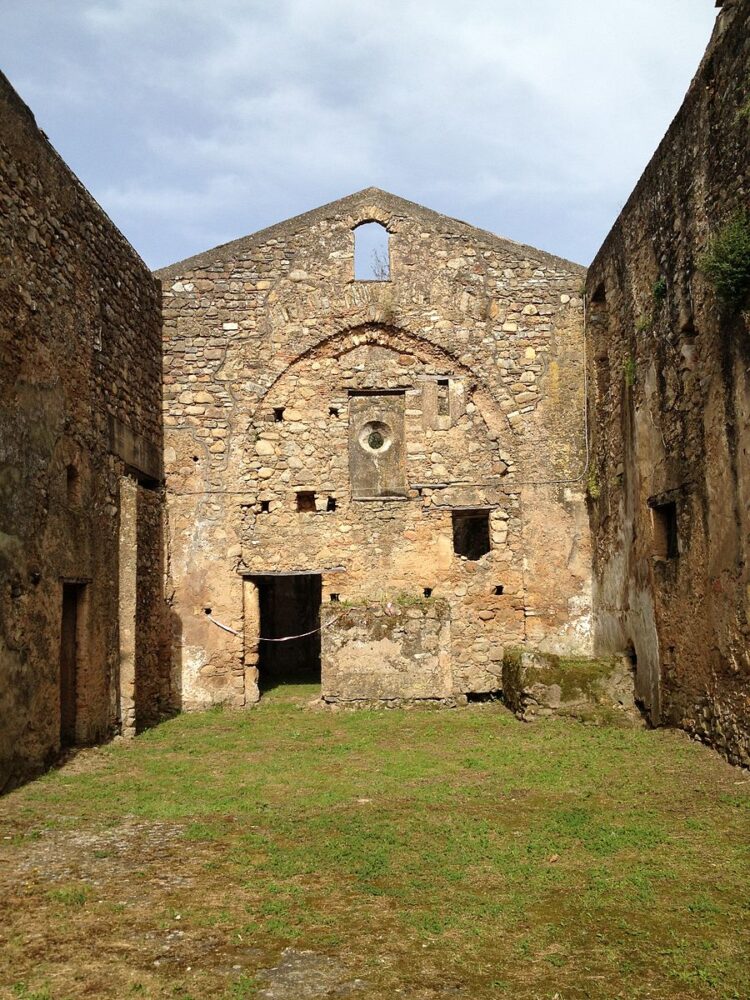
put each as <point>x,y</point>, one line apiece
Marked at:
<point>354,204</point>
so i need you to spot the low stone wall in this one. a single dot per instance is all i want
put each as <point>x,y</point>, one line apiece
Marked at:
<point>538,685</point>
<point>386,652</point>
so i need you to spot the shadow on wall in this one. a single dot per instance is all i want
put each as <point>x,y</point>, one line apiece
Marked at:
<point>172,660</point>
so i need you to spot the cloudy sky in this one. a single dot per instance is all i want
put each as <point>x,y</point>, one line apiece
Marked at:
<point>197,121</point>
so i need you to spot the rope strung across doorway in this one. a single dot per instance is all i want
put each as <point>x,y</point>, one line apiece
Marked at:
<point>284,638</point>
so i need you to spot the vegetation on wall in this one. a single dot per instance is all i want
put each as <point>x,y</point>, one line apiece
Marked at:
<point>726,262</point>
<point>660,290</point>
<point>592,483</point>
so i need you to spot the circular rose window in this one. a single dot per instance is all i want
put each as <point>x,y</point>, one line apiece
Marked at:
<point>375,437</point>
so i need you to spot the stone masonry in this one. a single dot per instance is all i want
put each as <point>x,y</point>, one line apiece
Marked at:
<point>279,366</point>
<point>376,483</point>
<point>80,457</point>
<point>670,480</point>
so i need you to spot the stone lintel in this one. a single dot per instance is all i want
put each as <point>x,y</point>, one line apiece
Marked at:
<point>141,455</point>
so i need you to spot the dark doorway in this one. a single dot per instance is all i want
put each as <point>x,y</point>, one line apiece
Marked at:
<point>69,656</point>
<point>289,607</point>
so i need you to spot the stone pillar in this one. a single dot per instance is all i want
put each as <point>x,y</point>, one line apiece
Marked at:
<point>128,574</point>
<point>251,602</point>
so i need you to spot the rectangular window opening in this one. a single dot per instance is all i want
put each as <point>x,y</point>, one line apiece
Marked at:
<point>664,527</point>
<point>331,503</point>
<point>335,598</point>
<point>499,590</point>
<point>471,533</point>
<point>443,397</point>
<point>265,506</point>
<point>278,414</point>
<point>70,660</point>
<point>372,260</point>
<point>306,501</point>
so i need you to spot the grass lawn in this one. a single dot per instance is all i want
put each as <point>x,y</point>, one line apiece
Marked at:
<point>378,854</point>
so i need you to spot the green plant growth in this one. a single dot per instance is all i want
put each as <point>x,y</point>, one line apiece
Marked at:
<point>629,371</point>
<point>726,262</point>
<point>660,290</point>
<point>465,838</point>
<point>644,323</point>
<point>592,483</point>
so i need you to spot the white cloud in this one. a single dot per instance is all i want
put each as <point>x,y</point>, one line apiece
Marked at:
<point>207,120</point>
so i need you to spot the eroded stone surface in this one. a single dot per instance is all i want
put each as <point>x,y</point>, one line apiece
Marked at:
<point>670,390</point>
<point>330,426</point>
<point>80,427</point>
<point>538,685</point>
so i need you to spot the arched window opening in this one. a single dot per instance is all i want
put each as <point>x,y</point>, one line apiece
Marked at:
<point>372,260</point>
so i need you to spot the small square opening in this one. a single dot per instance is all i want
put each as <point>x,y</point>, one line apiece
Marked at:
<point>499,590</point>
<point>427,591</point>
<point>333,411</point>
<point>306,501</point>
<point>335,598</point>
<point>265,506</point>
<point>331,503</point>
<point>664,528</point>
<point>278,414</point>
<point>471,533</point>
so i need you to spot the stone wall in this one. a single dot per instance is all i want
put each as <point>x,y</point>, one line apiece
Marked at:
<point>670,480</point>
<point>387,652</point>
<point>80,415</point>
<point>278,367</point>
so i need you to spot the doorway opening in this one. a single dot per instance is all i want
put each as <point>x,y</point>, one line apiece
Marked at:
<point>72,604</point>
<point>290,611</point>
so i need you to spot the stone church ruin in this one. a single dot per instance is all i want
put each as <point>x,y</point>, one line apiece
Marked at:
<point>373,448</point>
<point>332,441</point>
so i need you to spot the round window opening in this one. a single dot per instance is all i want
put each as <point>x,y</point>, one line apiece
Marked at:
<point>375,437</point>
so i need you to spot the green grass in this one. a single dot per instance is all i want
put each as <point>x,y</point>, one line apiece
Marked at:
<point>441,853</point>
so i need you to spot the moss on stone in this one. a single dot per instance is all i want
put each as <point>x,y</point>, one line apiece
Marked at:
<point>574,676</point>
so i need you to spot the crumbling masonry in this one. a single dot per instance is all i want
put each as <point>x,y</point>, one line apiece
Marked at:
<point>395,467</point>
<point>352,433</point>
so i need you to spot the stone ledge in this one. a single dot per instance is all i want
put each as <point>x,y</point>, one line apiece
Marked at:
<point>539,685</point>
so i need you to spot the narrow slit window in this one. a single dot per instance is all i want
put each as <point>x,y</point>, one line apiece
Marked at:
<point>471,533</point>
<point>372,259</point>
<point>331,503</point>
<point>306,501</point>
<point>443,397</point>
<point>665,537</point>
<point>72,486</point>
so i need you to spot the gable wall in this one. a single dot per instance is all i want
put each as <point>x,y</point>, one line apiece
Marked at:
<point>280,323</point>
